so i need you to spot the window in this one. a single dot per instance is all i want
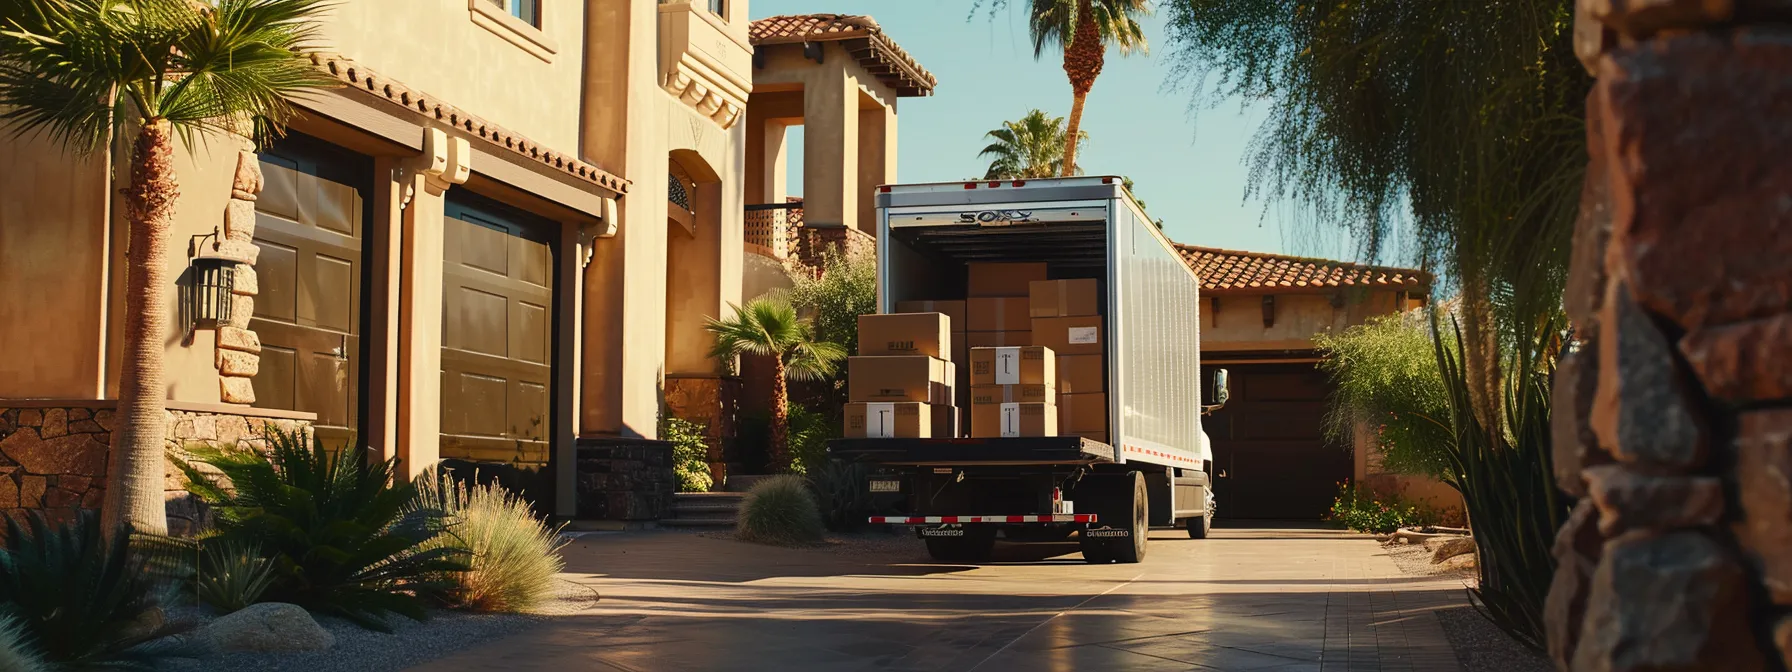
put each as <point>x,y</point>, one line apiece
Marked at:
<point>517,21</point>
<point>719,8</point>
<point>527,10</point>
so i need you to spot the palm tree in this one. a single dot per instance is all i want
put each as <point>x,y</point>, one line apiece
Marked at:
<point>1084,28</point>
<point>85,71</point>
<point>769,326</point>
<point>1030,148</point>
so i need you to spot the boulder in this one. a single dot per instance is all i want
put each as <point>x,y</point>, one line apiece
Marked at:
<point>269,626</point>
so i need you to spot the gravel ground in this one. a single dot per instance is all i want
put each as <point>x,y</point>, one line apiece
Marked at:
<point>1480,645</point>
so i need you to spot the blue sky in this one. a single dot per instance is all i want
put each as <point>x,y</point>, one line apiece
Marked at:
<point>1190,169</point>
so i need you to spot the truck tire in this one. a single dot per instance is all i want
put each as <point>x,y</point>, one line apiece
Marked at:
<point>1118,499</point>
<point>978,542</point>
<point>1199,527</point>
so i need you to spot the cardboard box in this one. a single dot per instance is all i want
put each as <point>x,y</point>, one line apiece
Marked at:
<point>1031,365</point>
<point>917,378</point>
<point>1001,394</point>
<point>905,334</point>
<point>1084,415</point>
<point>1013,419</point>
<point>997,314</point>
<point>890,420</point>
<point>994,279</point>
<point>1070,335</point>
<point>997,339</point>
<point>1063,298</point>
<point>946,421</point>
<point>1078,374</point>
<point>953,310</point>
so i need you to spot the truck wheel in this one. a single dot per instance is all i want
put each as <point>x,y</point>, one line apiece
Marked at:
<point>1199,527</point>
<point>1119,502</point>
<point>1131,548</point>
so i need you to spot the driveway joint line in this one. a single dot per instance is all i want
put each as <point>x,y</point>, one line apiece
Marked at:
<point>1054,617</point>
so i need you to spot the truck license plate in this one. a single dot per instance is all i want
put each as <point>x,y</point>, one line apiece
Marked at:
<point>886,486</point>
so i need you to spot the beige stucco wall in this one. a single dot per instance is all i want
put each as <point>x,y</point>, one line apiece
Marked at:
<point>1238,324</point>
<point>762,275</point>
<point>433,46</point>
<point>849,132</point>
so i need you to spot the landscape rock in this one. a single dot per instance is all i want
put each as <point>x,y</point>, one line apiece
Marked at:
<point>1577,550</point>
<point>1628,500</point>
<point>1445,549</point>
<point>269,626</point>
<point>1674,601</point>
<point>1743,362</point>
<point>1764,497</point>
<point>1584,291</point>
<point>1574,444</point>
<point>1640,413</point>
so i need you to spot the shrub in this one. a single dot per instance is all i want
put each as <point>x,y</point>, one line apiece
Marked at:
<point>341,533</point>
<point>690,453</point>
<point>835,293</point>
<point>809,435</point>
<point>1365,512</point>
<point>780,511</point>
<point>78,597</point>
<point>513,555</point>
<point>16,651</point>
<point>845,499</point>
<point>1386,377</point>
<point>231,574</point>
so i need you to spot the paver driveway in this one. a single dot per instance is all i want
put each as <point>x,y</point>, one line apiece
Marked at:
<point>1247,599</point>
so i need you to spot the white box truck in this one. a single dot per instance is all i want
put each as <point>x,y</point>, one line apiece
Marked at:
<point>1155,469</point>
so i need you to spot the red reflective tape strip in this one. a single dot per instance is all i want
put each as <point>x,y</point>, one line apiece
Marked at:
<point>939,520</point>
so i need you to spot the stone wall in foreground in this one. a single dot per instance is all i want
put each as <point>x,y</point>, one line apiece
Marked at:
<point>1673,418</point>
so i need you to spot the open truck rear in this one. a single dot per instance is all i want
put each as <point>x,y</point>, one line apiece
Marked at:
<point>1155,469</point>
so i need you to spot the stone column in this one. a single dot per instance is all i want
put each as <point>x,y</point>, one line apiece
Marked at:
<point>238,351</point>
<point>831,148</point>
<point>1670,418</point>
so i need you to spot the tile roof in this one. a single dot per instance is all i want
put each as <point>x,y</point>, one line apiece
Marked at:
<point>358,76</point>
<point>861,36</point>
<point>1233,271</point>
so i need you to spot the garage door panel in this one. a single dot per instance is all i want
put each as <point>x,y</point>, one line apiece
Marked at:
<point>478,322</point>
<point>1285,387</point>
<point>277,270</point>
<point>483,248</point>
<point>330,299</point>
<point>276,382</point>
<point>479,402</point>
<point>529,409</point>
<point>1295,423</point>
<point>325,383</point>
<point>1270,444</point>
<point>533,337</point>
<point>534,261</point>
<point>338,208</point>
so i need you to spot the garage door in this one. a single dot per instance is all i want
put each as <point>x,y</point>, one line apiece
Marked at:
<point>497,334</point>
<point>310,223</point>
<point>1270,444</point>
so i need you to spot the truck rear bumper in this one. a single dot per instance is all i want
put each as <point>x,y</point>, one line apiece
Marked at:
<point>1041,450</point>
<point>960,520</point>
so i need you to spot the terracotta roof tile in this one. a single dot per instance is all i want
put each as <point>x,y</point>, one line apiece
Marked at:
<point>1227,271</point>
<point>358,76</point>
<point>862,37</point>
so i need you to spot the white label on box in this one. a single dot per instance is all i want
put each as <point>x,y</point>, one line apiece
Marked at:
<point>1010,419</point>
<point>880,420</point>
<point>1085,335</point>
<point>1007,366</point>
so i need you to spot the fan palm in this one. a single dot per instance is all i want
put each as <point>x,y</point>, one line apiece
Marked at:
<point>769,326</point>
<point>1028,148</point>
<point>85,71</point>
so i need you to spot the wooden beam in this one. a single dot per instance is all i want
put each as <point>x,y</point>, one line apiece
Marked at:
<point>1269,310</point>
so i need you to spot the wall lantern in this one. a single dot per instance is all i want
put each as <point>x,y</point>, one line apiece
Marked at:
<point>211,277</point>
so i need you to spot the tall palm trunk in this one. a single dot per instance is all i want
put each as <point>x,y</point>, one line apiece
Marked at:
<point>1082,64</point>
<point>134,470</point>
<point>780,447</point>
<point>1481,354</point>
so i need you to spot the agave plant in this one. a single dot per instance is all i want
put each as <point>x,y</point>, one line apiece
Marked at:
<point>232,574</point>
<point>77,600</point>
<point>338,529</point>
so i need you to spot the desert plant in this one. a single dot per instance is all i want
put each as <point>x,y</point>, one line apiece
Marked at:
<point>79,594</point>
<point>231,574</point>
<point>690,453</point>
<point>340,531</point>
<point>769,326</point>
<point>1027,148</point>
<point>1364,511</point>
<point>146,72</point>
<point>809,435</point>
<point>17,652</point>
<point>512,555</point>
<point>1384,375</point>
<point>842,493</point>
<point>780,511</point>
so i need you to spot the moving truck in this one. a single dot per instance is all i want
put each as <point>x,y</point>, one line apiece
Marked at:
<point>1149,464</point>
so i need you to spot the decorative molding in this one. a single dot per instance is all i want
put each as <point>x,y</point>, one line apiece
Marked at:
<point>702,64</point>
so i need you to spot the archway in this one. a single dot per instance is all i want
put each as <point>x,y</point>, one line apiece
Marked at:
<point>695,387</point>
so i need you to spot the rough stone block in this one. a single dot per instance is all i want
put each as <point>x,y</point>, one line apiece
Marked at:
<point>232,338</point>
<point>1631,501</point>
<point>239,221</point>
<point>1574,444</point>
<point>234,390</point>
<point>1577,551</point>
<point>67,454</point>
<point>1692,241</point>
<point>248,173</point>
<point>1639,411</point>
<point>1592,38</point>
<point>1584,293</point>
<point>245,282</point>
<point>85,427</point>
<point>233,363</point>
<point>242,309</point>
<point>1674,601</point>
<point>1764,497</point>
<point>1743,362</point>
<point>104,418</point>
<point>55,423</point>
<point>9,492</point>
<point>31,491</point>
<point>1641,18</point>
<point>31,417</point>
<point>240,195</point>
<point>75,484</point>
<point>57,498</point>
<point>242,251</point>
<point>79,414</point>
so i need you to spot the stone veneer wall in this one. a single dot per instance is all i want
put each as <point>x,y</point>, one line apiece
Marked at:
<point>625,479</point>
<point>1673,418</point>
<point>53,457</point>
<point>238,348</point>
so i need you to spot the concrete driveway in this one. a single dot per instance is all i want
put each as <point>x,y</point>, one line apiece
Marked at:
<point>1247,599</point>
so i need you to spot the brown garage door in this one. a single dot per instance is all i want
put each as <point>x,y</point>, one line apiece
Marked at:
<point>310,226</point>
<point>1269,443</point>
<point>497,335</point>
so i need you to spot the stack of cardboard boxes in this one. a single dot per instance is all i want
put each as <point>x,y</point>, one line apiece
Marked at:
<point>902,383</point>
<point>1066,317</point>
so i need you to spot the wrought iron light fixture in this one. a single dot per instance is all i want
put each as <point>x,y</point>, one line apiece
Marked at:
<point>211,277</point>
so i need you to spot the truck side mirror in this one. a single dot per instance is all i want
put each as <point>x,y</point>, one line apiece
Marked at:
<point>1220,392</point>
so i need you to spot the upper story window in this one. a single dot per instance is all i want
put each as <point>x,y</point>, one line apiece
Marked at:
<point>529,11</point>
<point>719,8</point>
<point>517,21</point>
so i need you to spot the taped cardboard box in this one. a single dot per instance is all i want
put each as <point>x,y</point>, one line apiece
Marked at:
<point>905,334</point>
<point>890,420</point>
<point>1001,394</point>
<point>997,314</point>
<point>1084,415</point>
<point>953,310</point>
<point>1031,365</point>
<point>997,339</point>
<point>1070,335</point>
<point>1062,298</point>
<point>1013,419</point>
<point>1002,279</point>
<point>917,378</point>
<point>1080,373</point>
